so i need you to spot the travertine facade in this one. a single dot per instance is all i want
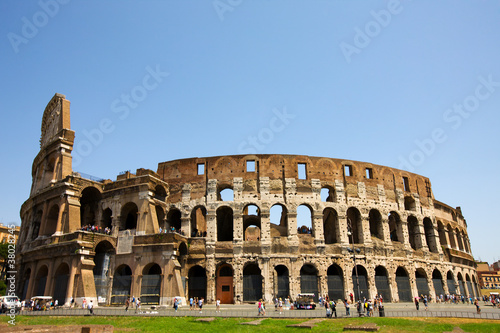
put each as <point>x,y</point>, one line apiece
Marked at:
<point>233,230</point>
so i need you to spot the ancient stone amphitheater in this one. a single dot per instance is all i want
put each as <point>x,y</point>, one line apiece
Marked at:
<point>238,228</point>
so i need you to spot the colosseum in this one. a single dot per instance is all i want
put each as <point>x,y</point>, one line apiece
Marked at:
<point>236,228</point>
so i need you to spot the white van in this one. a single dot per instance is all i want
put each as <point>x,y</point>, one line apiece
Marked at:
<point>10,302</point>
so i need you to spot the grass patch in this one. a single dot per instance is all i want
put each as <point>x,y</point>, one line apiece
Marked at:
<point>189,324</point>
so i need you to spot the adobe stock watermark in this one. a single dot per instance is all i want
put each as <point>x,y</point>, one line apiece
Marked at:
<point>31,26</point>
<point>121,106</point>
<point>454,117</point>
<point>265,136</point>
<point>11,273</point>
<point>364,36</point>
<point>223,6</point>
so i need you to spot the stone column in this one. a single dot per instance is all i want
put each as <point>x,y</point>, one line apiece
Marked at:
<point>71,283</point>
<point>319,235</point>
<point>265,231</point>
<point>344,237</point>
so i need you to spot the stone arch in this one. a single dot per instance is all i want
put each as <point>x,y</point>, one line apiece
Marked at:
<point>251,223</point>
<point>403,284</point>
<point>60,282</point>
<point>421,281</point>
<point>224,224</point>
<point>305,219</point>
<point>89,206</point>
<point>354,219</point>
<point>225,192</point>
<point>174,220</point>
<point>309,280</point>
<point>451,236</point>
<point>461,284</point>
<point>382,282</point>
<point>410,204</point>
<point>278,216</point>
<point>224,283</point>
<point>459,239</point>
<point>122,282</point>
<point>41,280</point>
<point>376,227</point>
<point>437,281</point>
<point>281,281</point>
<point>360,281</point>
<point>197,282</point>
<point>25,283</point>
<point>107,218</point>
<point>335,282</point>
<point>413,232</point>
<point>252,282</point>
<point>199,221</point>
<point>395,227</point>
<point>37,222</point>
<point>151,284</point>
<point>328,194</point>
<point>160,193</point>
<point>430,237</point>
<point>128,216</point>
<point>450,282</point>
<point>51,220</point>
<point>470,291</point>
<point>331,227</point>
<point>442,234</point>
<point>104,255</point>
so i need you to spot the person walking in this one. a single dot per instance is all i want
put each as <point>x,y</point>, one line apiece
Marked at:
<point>280,305</point>
<point>217,305</point>
<point>200,303</point>
<point>176,304</point>
<point>127,304</point>
<point>347,307</point>
<point>91,308</point>
<point>333,306</point>
<point>137,305</point>
<point>478,308</point>
<point>417,303</point>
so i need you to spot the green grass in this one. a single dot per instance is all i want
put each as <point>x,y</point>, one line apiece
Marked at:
<point>189,324</point>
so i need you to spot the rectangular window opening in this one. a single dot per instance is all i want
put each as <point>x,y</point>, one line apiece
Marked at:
<point>250,166</point>
<point>302,171</point>
<point>406,184</point>
<point>348,170</point>
<point>201,169</point>
<point>369,173</point>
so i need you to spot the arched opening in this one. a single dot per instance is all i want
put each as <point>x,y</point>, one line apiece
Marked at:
<point>450,282</point>
<point>225,284</point>
<point>282,283</point>
<point>61,283</point>
<point>226,194</point>
<point>403,283</point>
<point>151,284</point>
<point>160,218</point>
<point>279,221</point>
<point>174,221</point>
<point>442,234</point>
<point>376,228</point>
<point>89,206</point>
<point>199,222</point>
<point>331,226</point>
<point>25,283</point>
<point>395,227</point>
<point>430,238</point>
<point>51,221</point>
<point>360,279</point>
<point>128,217</point>
<point>421,280</point>
<point>304,220</point>
<point>41,280</point>
<point>382,283</point>
<point>459,239</point>
<point>183,252</point>
<point>252,283</point>
<point>413,232</point>
<point>354,220</point>
<point>451,236</point>
<point>104,253</point>
<point>470,292</point>
<point>107,218</point>
<point>251,223</point>
<point>461,284</point>
<point>224,224</point>
<point>437,281</point>
<point>160,193</point>
<point>122,281</point>
<point>197,282</point>
<point>327,194</point>
<point>335,282</point>
<point>309,280</point>
<point>37,221</point>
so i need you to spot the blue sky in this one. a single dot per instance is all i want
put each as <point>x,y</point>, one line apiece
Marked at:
<point>408,84</point>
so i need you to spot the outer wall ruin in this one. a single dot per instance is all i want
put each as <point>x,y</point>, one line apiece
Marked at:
<point>227,227</point>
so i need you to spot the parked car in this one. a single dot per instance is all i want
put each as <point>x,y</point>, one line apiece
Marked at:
<point>10,302</point>
<point>305,301</point>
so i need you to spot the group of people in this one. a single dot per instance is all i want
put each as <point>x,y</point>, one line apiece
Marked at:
<point>96,228</point>
<point>196,303</point>
<point>134,302</point>
<point>197,233</point>
<point>171,229</point>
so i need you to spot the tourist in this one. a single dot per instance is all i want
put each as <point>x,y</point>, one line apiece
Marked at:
<point>417,303</point>
<point>127,304</point>
<point>176,304</point>
<point>426,303</point>
<point>259,308</point>
<point>478,309</point>
<point>137,305</point>
<point>333,306</point>
<point>91,307</point>
<point>347,307</point>
<point>217,305</point>
<point>200,303</point>
<point>191,300</point>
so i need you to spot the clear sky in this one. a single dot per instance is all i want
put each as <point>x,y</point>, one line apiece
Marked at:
<point>413,85</point>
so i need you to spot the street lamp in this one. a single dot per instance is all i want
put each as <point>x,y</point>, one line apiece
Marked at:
<point>353,251</point>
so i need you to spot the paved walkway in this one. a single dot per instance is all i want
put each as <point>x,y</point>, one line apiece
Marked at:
<point>250,310</point>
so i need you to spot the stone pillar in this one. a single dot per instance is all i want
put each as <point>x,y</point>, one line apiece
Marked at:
<point>211,225</point>
<point>386,230</point>
<point>365,232</point>
<point>185,224</point>
<point>344,237</point>
<point>265,231</point>
<point>71,283</point>
<point>267,287</point>
<point>420,241</point>
<point>237,233</point>
<point>49,284</point>
<point>319,235</point>
<point>115,225</point>
<point>31,283</point>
